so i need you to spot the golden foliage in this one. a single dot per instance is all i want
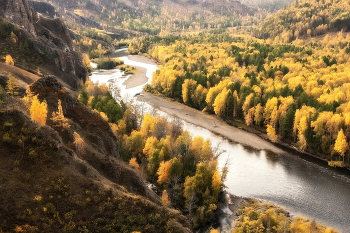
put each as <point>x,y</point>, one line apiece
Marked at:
<point>165,198</point>
<point>164,172</point>
<point>104,116</point>
<point>341,145</point>
<point>271,133</point>
<point>133,162</point>
<point>38,111</point>
<point>9,60</point>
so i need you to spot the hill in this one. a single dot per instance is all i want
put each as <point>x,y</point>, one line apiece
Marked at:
<point>306,18</point>
<point>154,16</point>
<point>269,5</point>
<point>39,44</point>
<point>62,177</point>
<point>59,179</point>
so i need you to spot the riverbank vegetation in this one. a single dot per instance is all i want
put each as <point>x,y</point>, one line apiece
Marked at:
<point>297,92</point>
<point>259,218</point>
<point>183,169</point>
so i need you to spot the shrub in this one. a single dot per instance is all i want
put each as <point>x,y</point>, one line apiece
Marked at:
<point>108,63</point>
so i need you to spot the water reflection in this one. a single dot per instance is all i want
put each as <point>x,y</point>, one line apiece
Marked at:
<point>302,187</point>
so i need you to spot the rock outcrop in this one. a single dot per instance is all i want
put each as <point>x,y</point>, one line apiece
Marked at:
<point>50,37</point>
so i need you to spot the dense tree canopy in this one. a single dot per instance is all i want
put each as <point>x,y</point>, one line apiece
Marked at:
<point>299,92</point>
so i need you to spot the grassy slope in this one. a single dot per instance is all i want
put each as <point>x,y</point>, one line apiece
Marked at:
<point>49,186</point>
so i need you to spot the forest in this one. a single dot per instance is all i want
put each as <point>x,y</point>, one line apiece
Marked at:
<point>286,76</point>
<point>157,17</point>
<point>184,169</point>
<point>304,19</point>
<point>298,93</point>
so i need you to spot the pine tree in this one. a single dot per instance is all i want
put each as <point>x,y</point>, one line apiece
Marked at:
<point>2,99</point>
<point>58,117</point>
<point>12,88</point>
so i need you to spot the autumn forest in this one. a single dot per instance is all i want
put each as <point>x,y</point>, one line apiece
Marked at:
<point>280,69</point>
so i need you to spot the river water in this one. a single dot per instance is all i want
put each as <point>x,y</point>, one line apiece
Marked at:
<point>303,187</point>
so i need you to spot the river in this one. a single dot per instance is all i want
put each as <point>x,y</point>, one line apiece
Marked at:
<point>304,187</point>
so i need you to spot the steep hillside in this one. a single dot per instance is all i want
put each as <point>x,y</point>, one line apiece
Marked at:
<point>59,179</point>
<point>306,18</point>
<point>39,44</point>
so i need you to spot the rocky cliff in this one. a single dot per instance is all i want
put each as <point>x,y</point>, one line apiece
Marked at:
<point>49,37</point>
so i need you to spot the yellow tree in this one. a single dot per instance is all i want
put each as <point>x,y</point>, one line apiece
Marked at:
<point>341,145</point>
<point>216,183</point>
<point>199,96</point>
<point>271,104</point>
<point>86,61</point>
<point>302,127</point>
<point>247,103</point>
<point>188,88</point>
<point>164,172</point>
<point>249,116</point>
<point>58,117</point>
<point>165,198</point>
<point>220,103</point>
<point>28,97</point>
<point>9,60</point>
<point>133,162</point>
<point>258,114</point>
<point>38,111</point>
<point>271,133</point>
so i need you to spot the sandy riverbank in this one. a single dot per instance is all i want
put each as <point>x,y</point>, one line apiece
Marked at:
<point>210,122</point>
<point>139,77</point>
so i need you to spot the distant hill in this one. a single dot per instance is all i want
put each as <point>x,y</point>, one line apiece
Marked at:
<point>154,16</point>
<point>269,5</point>
<point>306,18</point>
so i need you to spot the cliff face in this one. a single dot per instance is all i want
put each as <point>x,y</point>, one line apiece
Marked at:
<point>50,37</point>
<point>20,13</point>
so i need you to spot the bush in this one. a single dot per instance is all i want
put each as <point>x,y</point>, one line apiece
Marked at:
<point>108,64</point>
<point>7,138</point>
